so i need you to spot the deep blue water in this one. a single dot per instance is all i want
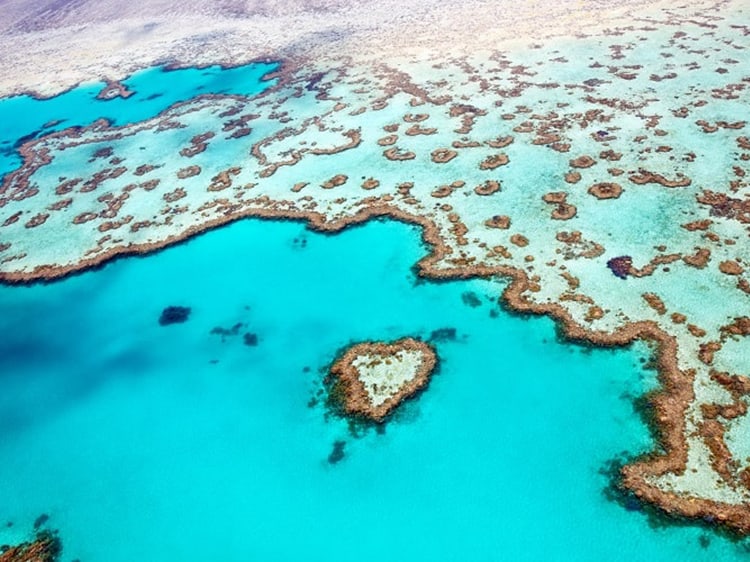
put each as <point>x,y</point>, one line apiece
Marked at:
<point>149,442</point>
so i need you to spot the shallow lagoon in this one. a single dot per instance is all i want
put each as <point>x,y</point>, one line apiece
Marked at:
<point>150,442</point>
<point>162,443</point>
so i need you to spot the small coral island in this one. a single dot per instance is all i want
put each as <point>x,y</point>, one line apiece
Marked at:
<point>372,378</point>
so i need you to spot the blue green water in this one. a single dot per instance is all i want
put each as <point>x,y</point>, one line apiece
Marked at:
<point>155,89</point>
<point>144,442</point>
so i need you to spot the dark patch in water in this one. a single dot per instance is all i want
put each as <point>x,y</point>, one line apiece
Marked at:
<point>593,82</point>
<point>41,520</point>
<point>314,79</point>
<point>153,97</point>
<point>443,334</point>
<point>250,339</point>
<point>620,266</point>
<point>470,299</point>
<point>174,315</point>
<point>53,123</point>
<point>26,138</point>
<point>704,540</point>
<point>225,332</point>
<point>337,453</point>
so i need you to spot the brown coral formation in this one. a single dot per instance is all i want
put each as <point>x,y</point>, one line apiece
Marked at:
<point>606,190</point>
<point>188,172</point>
<point>416,118</point>
<point>724,206</point>
<point>584,161</point>
<point>699,259</point>
<point>555,197</point>
<point>357,398</point>
<point>442,191</point>
<point>37,220</point>
<point>575,246</point>
<point>443,155</point>
<point>563,210</point>
<point>740,326</point>
<point>174,195</point>
<point>114,89</point>
<point>335,181</point>
<point>655,302</point>
<point>498,221</point>
<point>494,161</point>
<point>398,155</point>
<point>594,313</point>
<point>702,224</point>
<point>223,179</point>
<point>354,136</point>
<point>198,144</point>
<point>644,177</point>
<point>416,129</point>
<point>610,155</point>
<point>500,142</point>
<point>45,548</point>
<point>487,188</point>
<point>731,267</point>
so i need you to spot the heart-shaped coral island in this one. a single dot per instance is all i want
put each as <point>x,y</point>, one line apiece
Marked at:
<point>372,378</point>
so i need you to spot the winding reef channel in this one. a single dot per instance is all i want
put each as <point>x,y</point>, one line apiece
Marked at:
<point>605,175</point>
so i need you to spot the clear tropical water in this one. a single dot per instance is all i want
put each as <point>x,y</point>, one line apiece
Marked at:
<point>149,442</point>
<point>155,89</point>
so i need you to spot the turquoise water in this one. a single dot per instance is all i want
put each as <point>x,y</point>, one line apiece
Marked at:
<point>156,89</point>
<point>144,442</point>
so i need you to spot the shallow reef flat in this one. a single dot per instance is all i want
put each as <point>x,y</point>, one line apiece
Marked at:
<point>606,175</point>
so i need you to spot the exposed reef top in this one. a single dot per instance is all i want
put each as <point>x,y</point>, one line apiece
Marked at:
<point>374,377</point>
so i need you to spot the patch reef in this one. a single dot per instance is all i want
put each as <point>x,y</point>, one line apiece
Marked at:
<point>605,174</point>
<point>375,377</point>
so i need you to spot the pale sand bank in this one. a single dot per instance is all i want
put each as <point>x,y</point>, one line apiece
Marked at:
<point>47,52</point>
